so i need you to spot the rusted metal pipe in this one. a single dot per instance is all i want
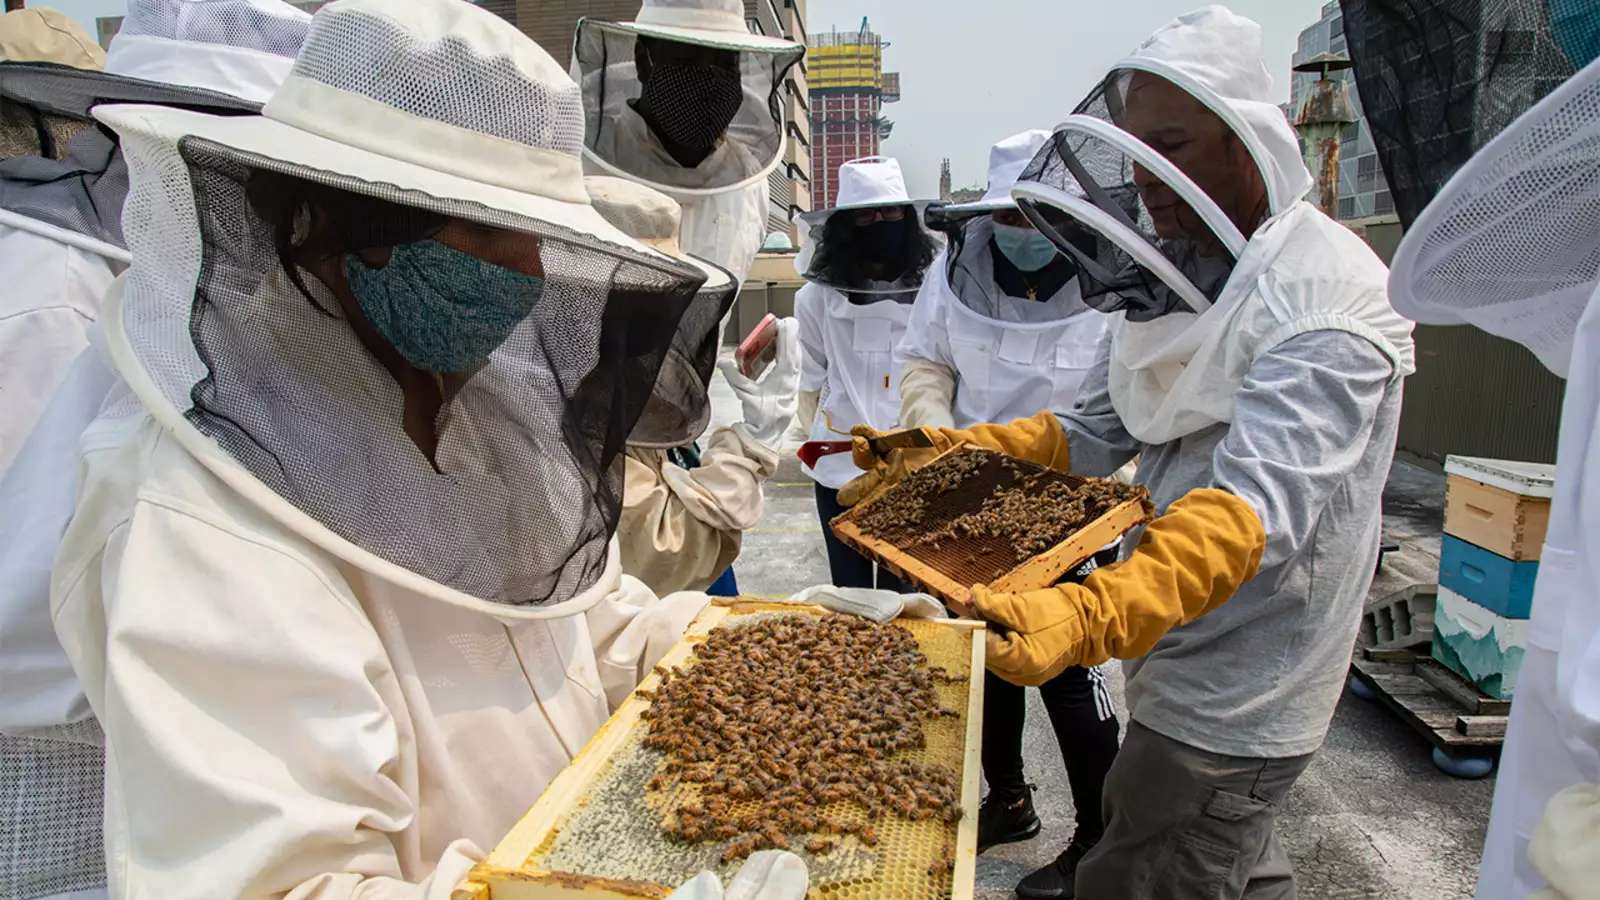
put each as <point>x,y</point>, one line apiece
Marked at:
<point>1321,121</point>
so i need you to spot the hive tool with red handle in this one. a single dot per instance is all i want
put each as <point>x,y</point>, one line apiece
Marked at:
<point>911,439</point>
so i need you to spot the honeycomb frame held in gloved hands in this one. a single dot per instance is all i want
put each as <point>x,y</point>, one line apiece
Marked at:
<point>1039,438</point>
<point>1190,560</point>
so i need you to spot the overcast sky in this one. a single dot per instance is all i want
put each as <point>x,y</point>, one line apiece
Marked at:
<point>972,73</point>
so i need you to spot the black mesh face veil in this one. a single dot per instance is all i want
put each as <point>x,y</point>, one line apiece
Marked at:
<point>886,258</point>
<point>696,93</point>
<point>680,405</point>
<point>1081,191</point>
<point>522,493</point>
<point>1439,78</point>
<point>56,165</point>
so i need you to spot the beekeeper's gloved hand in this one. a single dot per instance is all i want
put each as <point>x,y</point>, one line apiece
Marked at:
<point>1564,843</point>
<point>879,606</point>
<point>770,403</point>
<point>1189,562</point>
<point>1038,438</point>
<point>767,875</point>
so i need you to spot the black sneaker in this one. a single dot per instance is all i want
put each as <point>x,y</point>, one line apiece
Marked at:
<point>1054,881</point>
<point>1006,819</point>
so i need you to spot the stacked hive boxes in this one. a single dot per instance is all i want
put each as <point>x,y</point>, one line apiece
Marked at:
<point>1496,513</point>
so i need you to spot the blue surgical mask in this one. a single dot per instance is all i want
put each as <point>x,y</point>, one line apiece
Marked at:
<point>1027,249</point>
<point>443,310</point>
<point>1576,26</point>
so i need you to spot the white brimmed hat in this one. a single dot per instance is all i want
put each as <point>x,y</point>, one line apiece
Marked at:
<point>438,97</point>
<point>651,218</point>
<point>679,408</point>
<point>865,183</point>
<point>1007,159</point>
<point>712,23</point>
<point>244,48</point>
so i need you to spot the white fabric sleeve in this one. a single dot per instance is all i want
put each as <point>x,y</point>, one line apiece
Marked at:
<point>927,336</point>
<point>927,394</point>
<point>633,628</point>
<point>806,409</point>
<point>251,749</point>
<point>681,528</point>
<point>1301,424</point>
<point>808,309</point>
<point>1100,444</point>
<point>51,297</point>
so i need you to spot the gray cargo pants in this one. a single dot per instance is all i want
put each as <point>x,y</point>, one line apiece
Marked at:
<point>1182,822</point>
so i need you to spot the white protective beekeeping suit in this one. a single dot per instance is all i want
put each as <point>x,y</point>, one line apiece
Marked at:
<point>973,353</point>
<point>850,323</point>
<point>61,245</point>
<point>60,235</point>
<point>1190,315</point>
<point>681,528</point>
<point>1269,367</point>
<point>333,658</point>
<point>720,84</point>
<point>691,70</point>
<point>1512,246</point>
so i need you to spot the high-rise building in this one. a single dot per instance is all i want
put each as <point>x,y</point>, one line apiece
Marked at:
<point>848,91</point>
<point>944,178</point>
<point>552,23</point>
<point>1363,193</point>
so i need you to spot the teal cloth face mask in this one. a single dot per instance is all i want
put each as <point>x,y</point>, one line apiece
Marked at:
<point>1027,249</point>
<point>444,310</point>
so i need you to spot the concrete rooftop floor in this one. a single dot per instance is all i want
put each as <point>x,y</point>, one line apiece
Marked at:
<point>1371,817</point>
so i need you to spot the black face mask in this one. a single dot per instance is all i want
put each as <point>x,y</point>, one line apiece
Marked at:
<point>690,105</point>
<point>881,245</point>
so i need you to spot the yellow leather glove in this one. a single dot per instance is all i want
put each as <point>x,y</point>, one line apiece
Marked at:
<point>1189,562</point>
<point>1039,438</point>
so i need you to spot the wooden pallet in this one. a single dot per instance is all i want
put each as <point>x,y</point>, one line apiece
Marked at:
<point>1453,715</point>
<point>1040,571</point>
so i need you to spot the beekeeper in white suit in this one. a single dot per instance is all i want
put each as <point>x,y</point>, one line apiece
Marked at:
<point>682,527</point>
<point>680,100</point>
<point>863,259</point>
<point>1510,246</point>
<point>60,206</point>
<point>61,245</point>
<point>1255,366</point>
<point>340,586</point>
<point>684,99</point>
<point>1000,331</point>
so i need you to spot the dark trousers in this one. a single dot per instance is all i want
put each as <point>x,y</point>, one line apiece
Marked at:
<point>849,568</point>
<point>1182,822</point>
<point>1086,731</point>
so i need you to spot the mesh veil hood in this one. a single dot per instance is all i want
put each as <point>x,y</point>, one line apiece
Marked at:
<point>1216,56</point>
<point>219,56</point>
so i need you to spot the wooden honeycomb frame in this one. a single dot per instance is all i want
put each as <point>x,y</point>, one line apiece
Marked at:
<point>510,872</point>
<point>1040,571</point>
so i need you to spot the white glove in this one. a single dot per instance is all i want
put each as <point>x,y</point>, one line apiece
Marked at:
<point>1563,845</point>
<point>879,606</point>
<point>766,875</point>
<point>769,404</point>
<point>927,393</point>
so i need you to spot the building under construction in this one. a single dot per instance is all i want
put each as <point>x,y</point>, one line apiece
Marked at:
<point>848,89</point>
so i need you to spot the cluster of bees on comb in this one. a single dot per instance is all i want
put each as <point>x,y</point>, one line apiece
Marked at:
<point>783,717</point>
